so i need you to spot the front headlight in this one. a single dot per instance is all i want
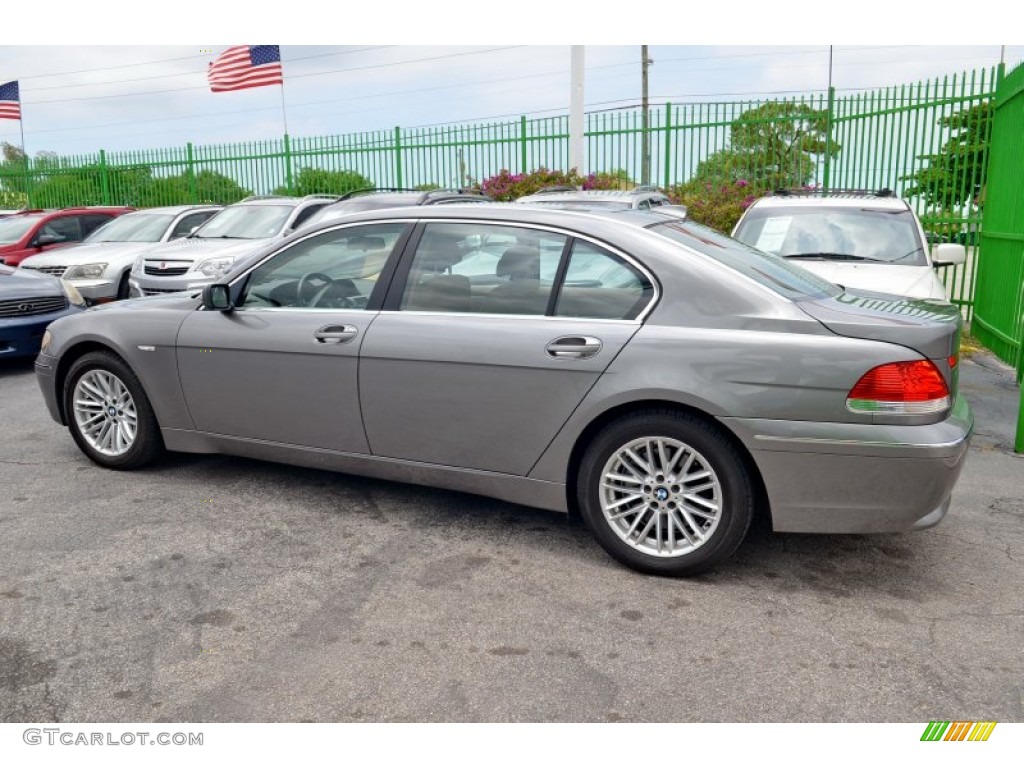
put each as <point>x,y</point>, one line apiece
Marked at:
<point>85,272</point>
<point>72,293</point>
<point>140,265</point>
<point>217,266</point>
<point>47,338</point>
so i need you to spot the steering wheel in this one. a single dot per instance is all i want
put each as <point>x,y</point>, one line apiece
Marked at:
<point>307,282</point>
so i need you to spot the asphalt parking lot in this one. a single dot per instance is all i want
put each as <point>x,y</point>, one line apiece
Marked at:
<point>217,589</point>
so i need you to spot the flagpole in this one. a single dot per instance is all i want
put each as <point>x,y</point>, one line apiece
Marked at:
<point>287,141</point>
<point>24,151</point>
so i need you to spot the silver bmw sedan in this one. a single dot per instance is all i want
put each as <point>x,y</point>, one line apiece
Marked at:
<point>660,379</point>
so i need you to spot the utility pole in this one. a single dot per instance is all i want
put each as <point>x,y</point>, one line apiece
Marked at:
<point>576,111</point>
<point>645,117</point>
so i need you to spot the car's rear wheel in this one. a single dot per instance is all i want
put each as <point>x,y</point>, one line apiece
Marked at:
<point>108,413</point>
<point>665,492</point>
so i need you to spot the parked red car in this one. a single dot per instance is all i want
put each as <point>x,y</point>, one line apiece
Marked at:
<point>27,233</point>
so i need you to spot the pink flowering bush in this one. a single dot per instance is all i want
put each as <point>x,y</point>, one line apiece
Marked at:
<point>508,186</point>
<point>714,203</point>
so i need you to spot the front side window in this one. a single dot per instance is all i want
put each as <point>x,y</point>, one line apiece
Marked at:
<point>485,268</point>
<point>186,224</point>
<point>332,270</point>
<point>65,229</point>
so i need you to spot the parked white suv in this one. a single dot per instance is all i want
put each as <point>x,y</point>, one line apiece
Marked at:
<point>869,241</point>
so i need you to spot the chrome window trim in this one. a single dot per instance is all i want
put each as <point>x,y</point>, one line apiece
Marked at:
<point>638,320</point>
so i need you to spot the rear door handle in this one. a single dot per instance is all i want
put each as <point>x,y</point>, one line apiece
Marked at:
<point>574,347</point>
<point>335,334</point>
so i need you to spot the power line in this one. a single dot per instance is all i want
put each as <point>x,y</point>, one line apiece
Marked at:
<point>290,77</point>
<point>180,74</point>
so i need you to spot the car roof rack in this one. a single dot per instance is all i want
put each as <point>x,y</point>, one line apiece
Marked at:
<point>809,192</point>
<point>557,188</point>
<point>321,197</point>
<point>370,190</point>
<point>250,198</point>
<point>452,191</point>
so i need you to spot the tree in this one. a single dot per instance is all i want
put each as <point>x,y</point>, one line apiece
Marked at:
<point>955,176</point>
<point>775,145</point>
<point>316,181</point>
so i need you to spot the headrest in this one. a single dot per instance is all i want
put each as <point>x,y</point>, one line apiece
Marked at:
<point>519,263</point>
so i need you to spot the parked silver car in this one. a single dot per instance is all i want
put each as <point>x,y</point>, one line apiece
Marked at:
<point>664,380</point>
<point>99,266</point>
<point>209,252</point>
<point>640,198</point>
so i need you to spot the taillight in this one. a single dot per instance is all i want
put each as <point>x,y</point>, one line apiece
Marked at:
<point>911,387</point>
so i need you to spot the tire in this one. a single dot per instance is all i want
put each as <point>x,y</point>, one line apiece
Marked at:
<point>672,526</point>
<point>108,413</point>
<point>123,290</point>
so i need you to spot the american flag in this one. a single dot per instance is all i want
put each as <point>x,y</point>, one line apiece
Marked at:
<point>10,102</point>
<point>245,66</point>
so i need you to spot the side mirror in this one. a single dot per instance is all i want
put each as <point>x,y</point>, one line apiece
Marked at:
<point>946,254</point>
<point>48,240</point>
<point>218,297</point>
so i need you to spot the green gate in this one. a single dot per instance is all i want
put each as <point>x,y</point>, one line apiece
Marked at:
<point>999,298</point>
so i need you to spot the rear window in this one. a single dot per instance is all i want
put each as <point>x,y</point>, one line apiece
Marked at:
<point>787,279</point>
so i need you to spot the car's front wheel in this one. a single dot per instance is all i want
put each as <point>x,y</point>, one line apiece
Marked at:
<point>665,492</point>
<point>108,413</point>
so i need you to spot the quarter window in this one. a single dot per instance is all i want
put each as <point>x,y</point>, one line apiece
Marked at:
<point>333,270</point>
<point>600,285</point>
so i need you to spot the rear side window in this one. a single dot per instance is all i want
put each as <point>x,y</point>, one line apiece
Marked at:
<point>785,278</point>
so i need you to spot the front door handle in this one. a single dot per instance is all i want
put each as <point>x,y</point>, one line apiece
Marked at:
<point>335,334</point>
<point>575,347</point>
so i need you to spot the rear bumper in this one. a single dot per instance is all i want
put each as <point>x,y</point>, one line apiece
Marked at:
<point>858,478</point>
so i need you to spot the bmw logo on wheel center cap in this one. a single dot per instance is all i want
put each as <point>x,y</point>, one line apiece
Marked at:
<point>661,494</point>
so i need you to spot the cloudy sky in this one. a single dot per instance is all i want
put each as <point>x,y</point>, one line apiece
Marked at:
<point>78,99</point>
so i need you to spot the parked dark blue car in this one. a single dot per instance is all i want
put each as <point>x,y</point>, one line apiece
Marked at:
<point>30,301</point>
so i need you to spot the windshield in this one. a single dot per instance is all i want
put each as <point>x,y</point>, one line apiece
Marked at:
<point>14,228</point>
<point>246,222</point>
<point>835,233</point>
<point>789,280</point>
<point>132,228</point>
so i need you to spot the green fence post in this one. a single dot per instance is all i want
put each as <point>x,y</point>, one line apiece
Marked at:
<point>826,176</point>
<point>288,165</point>
<point>28,182</point>
<point>104,180</point>
<point>398,157</point>
<point>522,144</point>
<point>668,144</point>
<point>190,171</point>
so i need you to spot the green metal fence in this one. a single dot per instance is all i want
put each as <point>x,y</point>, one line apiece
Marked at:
<point>885,138</point>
